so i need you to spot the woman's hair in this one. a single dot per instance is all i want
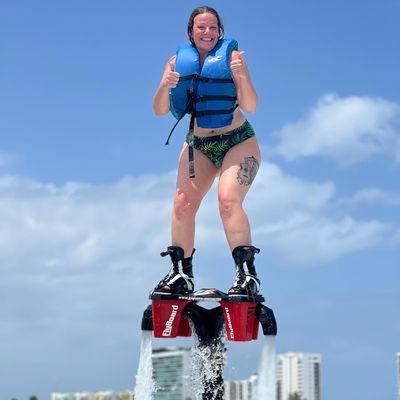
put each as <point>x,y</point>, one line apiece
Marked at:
<point>203,10</point>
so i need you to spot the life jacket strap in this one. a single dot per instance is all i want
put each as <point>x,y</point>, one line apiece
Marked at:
<point>191,145</point>
<point>189,109</point>
<point>215,80</point>
<point>173,128</point>
<point>204,79</point>
<point>215,97</point>
<point>187,77</point>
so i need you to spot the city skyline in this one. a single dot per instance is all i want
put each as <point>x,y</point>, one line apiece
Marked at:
<point>242,389</point>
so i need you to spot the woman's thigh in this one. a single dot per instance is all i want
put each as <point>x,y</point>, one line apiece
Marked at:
<point>238,170</point>
<point>194,189</point>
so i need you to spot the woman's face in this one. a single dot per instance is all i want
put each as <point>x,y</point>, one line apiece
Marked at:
<point>205,32</point>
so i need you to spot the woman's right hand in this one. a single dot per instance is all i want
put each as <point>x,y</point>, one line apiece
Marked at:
<point>170,78</point>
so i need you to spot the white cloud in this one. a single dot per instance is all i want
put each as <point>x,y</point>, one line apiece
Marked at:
<point>349,130</point>
<point>303,240</point>
<point>298,220</point>
<point>275,194</point>
<point>65,249</point>
<point>373,196</point>
<point>79,228</point>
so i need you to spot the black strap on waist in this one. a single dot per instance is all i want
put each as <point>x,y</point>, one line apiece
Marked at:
<point>212,97</point>
<point>187,77</point>
<point>204,79</point>
<point>191,145</point>
<point>215,80</point>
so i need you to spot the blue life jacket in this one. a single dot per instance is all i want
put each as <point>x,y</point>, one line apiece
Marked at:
<point>209,92</point>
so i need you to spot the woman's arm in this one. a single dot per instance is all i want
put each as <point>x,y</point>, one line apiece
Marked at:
<point>169,80</point>
<point>246,94</point>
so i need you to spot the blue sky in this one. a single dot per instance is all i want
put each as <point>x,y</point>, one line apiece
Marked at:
<point>86,187</point>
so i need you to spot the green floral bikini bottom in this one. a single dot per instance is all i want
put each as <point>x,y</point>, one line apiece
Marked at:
<point>215,147</point>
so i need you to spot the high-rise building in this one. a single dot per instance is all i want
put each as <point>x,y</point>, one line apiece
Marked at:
<point>171,373</point>
<point>251,387</point>
<point>299,373</point>
<point>398,375</point>
<point>232,390</point>
<point>241,390</point>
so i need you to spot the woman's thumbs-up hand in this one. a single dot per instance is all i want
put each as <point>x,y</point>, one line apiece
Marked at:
<point>238,65</point>
<point>170,78</point>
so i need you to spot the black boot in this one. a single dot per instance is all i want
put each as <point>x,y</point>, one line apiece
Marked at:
<point>179,279</point>
<point>246,281</point>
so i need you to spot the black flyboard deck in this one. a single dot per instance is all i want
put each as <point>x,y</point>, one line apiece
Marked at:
<point>207,295</point>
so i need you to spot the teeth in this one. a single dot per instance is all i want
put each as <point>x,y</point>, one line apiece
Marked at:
<point>207,39</point>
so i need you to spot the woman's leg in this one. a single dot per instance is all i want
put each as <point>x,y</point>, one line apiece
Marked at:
<point>188,196</point>
<point>238,171</point>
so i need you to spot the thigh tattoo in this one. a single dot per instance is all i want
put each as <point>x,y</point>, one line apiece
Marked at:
<point>247,171</point>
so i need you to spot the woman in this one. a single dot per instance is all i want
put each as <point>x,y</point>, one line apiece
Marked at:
<point>224,145</point>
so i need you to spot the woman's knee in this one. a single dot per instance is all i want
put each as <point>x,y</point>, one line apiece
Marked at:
<point>184,206</point>
<point>229,205</point>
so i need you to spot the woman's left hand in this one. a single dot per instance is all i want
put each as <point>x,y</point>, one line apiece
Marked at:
<point>238,65</point>
<point>245,92</point>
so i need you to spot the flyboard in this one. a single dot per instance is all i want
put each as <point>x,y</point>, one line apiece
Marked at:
<point>169,316</point>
